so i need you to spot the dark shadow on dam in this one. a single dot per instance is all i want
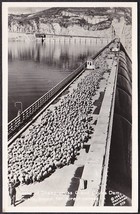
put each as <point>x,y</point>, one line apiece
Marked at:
<point>74,186</point>
<point>98,103</point>
<point>119,172</point>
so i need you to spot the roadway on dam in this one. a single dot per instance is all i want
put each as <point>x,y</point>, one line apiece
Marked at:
<point>61,187</point>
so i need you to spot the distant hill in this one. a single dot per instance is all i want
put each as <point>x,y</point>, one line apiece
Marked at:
<point>57,20</point>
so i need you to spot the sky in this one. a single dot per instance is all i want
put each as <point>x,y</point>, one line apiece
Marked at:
<point>25,10</point>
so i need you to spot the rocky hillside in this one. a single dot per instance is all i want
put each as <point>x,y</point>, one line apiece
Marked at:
<point>66,20</point>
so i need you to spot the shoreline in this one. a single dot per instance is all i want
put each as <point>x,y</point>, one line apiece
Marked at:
<point>14,36</point>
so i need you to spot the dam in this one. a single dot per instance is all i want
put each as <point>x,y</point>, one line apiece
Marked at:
<point>80,129</point>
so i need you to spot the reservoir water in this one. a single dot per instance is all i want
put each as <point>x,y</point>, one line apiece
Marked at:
<point>35,67</point>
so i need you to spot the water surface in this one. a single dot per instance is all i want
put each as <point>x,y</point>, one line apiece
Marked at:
<point>35,67</point>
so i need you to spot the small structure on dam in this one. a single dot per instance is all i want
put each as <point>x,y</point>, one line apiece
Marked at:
<point>90,64</point>
<point>80,131</point>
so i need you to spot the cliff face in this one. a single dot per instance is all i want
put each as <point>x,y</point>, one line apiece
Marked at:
<point>57,27</point>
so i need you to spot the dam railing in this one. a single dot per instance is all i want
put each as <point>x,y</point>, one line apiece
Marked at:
<point>29,113</point>
<point>32,109</point>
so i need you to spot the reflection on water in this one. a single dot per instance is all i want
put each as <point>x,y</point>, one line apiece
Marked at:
<point>35,67</point>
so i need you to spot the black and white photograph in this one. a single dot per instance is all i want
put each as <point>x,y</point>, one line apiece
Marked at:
<point>70,135</point>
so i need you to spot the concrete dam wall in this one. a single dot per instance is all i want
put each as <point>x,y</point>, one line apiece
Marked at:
<point>120,177</point>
